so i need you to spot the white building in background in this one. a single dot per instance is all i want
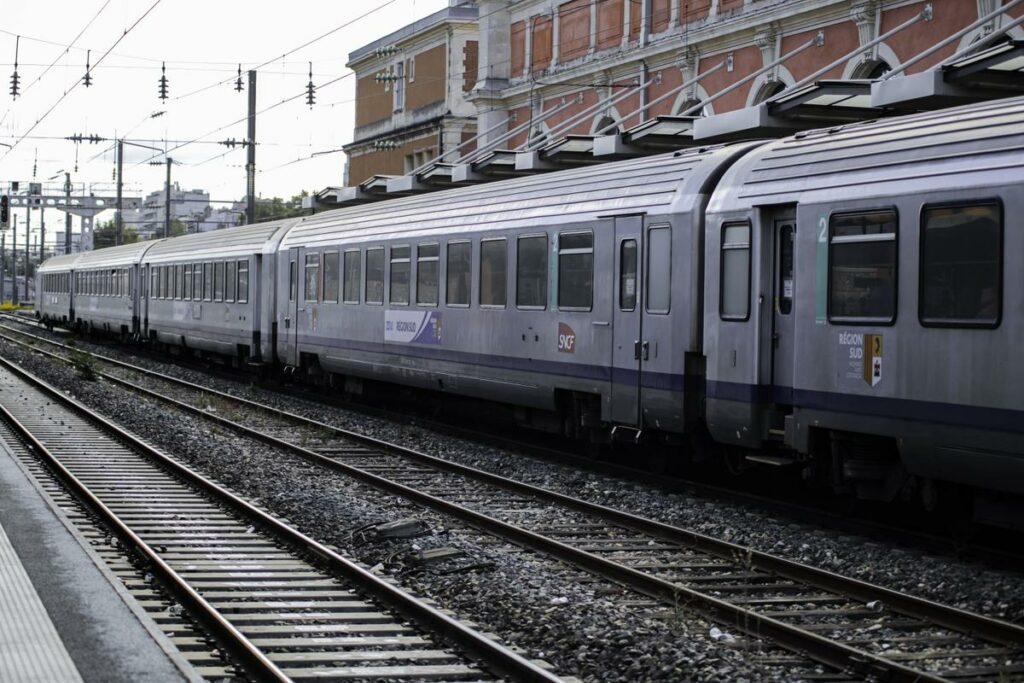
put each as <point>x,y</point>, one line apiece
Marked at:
<point>187,206</point>
<point>218,219</point>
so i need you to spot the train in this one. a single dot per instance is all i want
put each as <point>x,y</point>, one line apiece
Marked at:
<point>846,302</point>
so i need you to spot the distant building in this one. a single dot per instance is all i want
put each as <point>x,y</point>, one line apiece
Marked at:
<point>76,242</point>
<point>187,206</point>
<point>218,219</point>
<point>411,88</point>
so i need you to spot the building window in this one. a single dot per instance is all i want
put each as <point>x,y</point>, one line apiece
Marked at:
<point>532,272</point>
<point>493,272</point>
<point>459,267</point>
<point>311,280</point>
<point>862,267</point>
<point>961,265</point>
<point>627,275</point>
<point>427,273</point>
<point>399,92</point>
<point>576,271</point>
<point>243,282</point>
<point>352,277</point>
<point>332,276</point>
<point>659,270</point>
<point>375,275</point>
<point>734,287</point>
<point>399,276</point>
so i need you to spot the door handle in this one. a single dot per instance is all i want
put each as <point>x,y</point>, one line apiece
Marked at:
<point>636,350</point>
<point>646,350</point>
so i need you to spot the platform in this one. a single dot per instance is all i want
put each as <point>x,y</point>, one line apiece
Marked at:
<point>63,616</point>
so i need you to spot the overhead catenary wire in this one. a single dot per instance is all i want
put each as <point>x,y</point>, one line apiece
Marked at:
<point>78,81</point>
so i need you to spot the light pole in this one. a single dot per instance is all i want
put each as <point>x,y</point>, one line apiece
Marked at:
<point>121,142</point>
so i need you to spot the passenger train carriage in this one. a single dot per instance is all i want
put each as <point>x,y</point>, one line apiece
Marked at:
<point>837,299</point>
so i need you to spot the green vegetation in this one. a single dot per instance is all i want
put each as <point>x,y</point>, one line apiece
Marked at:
<point>85,364</point>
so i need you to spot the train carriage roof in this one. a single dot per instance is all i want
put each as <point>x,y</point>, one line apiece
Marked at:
<point>61,263</point>
<point>114,257</point>
<point>978,145</point>
<point>655,185</point>
<point>227,243</point>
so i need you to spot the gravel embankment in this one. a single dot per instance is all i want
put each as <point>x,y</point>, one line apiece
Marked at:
<point>583,628</point>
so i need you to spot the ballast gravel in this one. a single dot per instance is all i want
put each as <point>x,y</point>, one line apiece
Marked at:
<point>520,596</point>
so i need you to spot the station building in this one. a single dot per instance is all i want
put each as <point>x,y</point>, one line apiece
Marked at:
<point>547,68</point>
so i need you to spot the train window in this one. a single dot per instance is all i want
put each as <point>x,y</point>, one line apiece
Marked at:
<point>459,268</point>
<point>399,275</point>
<point>375,275</point>
<point>332,276</point>
<point>230,283</point>
<point>187,295</point>
<point>734,279</point>
<point>427,274</point>
<point>293,279</point>
<point>493,272</point>
<point>176,294</point>
<point>627,275</point>
<point>576,271</point>
<point>311,278</point>
<point>961,265</point>
<point>659,270</point>
<point>154,274</point>
<point>128,282</point>
<point>784,293</point>
<point>208,282</point>
<point>862,267</point>
<point>532,272</point>
<point>218,281</point>
<point>352,277</point>
<point>243,282</point>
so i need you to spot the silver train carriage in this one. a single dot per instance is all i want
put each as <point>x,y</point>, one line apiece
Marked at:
<point>837,297</point>
<point>578,291</point>
<point>864,300</point>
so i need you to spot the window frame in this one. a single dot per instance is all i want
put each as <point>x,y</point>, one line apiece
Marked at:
<point>389,277</point>
<point>648,271</point>
<point>344,276</point>
<point>572,252</point>
<point>230,281</point>
<point>437,274</point>
<point>338,269</point>
<point>864,322</point>
<point>384,276</point>
<point>962,324</point>
<point>447,271</point>
<point>306,265</point>
<point>721,269</point>
<point>480,275</point>
<point>242,293</point>
<point>547,271</point>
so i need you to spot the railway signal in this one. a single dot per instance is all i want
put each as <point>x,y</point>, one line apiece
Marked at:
<point>5,211</point>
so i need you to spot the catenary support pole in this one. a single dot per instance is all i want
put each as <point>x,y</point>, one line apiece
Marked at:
<point>167,201</point>
<point>118,220</point>
<point>67,213</point>
<point>250,164</point>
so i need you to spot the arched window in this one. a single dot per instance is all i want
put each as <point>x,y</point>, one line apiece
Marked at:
<point>608,123</point>
<point>872,69</point>
<point>769,90</point>
<point>690,104</point>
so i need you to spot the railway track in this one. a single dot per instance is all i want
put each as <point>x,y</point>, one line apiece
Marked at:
<point>860,630</point>
<point>280,605</point>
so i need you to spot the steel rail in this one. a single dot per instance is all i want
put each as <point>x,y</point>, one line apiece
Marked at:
<point>495,655</point>
<point>956,619</point>
<point>825,650</point>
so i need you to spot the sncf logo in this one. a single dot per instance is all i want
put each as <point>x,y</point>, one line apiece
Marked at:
<point>566,339</point>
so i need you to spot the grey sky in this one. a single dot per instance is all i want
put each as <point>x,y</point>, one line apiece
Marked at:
<point>202,42</point>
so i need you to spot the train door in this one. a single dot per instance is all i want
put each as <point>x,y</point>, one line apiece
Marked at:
<point>656,350</point>
<point>783,238</point>
<point>626,321</point>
